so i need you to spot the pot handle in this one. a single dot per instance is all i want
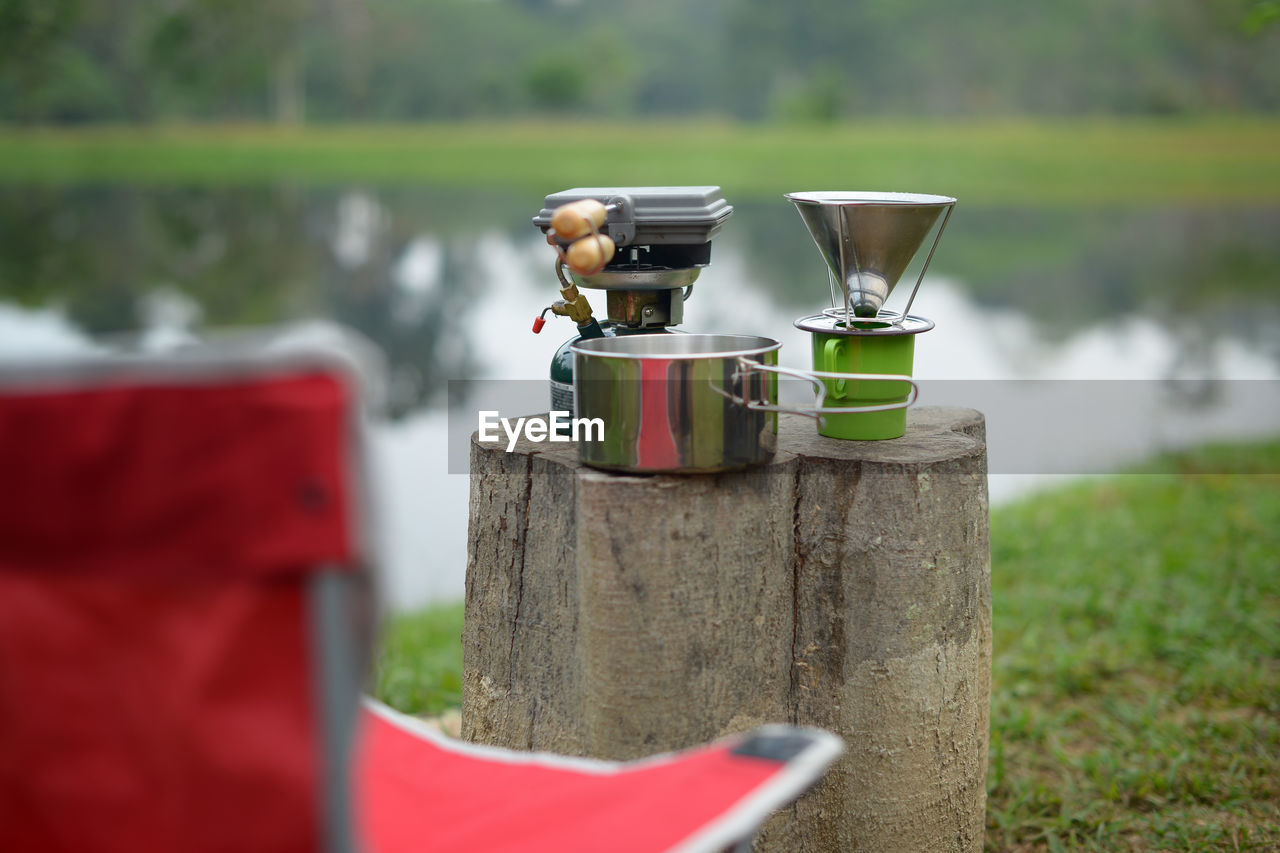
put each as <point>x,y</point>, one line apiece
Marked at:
<point>746,366</point>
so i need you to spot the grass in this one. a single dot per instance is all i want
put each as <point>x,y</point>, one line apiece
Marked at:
<point>1136,668</point>
<point>418,667</point>
<point>1137,661</point>
<point>1122,162</point>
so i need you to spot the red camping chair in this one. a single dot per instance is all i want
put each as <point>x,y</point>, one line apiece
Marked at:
<point>185,622</point>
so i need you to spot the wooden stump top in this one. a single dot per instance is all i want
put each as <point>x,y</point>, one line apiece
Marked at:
<point>843,584</point>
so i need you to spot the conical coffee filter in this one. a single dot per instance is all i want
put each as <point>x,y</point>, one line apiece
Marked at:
<point>868,239</point>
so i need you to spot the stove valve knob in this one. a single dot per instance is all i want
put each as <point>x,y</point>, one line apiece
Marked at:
<point>588,255</point>
<point>577,219</point>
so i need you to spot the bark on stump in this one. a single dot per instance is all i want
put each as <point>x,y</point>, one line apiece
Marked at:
<point>844,585</point>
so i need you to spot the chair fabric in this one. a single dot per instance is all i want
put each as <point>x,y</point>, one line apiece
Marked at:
<point>226,476</point>
<point>157,529</point>
<point>170,670</point>
<point>418,790</point>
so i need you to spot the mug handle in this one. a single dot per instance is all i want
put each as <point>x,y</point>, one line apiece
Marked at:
<point>830,351</point>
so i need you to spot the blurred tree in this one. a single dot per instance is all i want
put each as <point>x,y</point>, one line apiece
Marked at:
<point>29,28</point>
<point>822,98</point>
<point>231,56</point>
<point>111,60</point>
<point>1261,15</point>
<point>557,81</point>
<point>44,71</point>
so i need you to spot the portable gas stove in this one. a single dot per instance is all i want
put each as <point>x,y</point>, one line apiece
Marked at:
<point>643,246</point>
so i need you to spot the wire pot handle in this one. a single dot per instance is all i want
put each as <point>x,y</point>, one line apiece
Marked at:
<point>746,366</point>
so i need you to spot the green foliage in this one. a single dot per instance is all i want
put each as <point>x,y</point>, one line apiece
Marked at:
<point>29,28</point>
<point>752,59</point>
<point>822,98</point>
<point>418,669</point>
<point>1262,14</point>
<point>556,82</point>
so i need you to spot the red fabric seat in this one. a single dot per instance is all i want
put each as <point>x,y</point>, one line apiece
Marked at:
<point>157,530</point>
<point>172,640</point>
<point>421,791</point>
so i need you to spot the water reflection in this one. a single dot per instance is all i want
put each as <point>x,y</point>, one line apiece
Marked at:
<point>447,284</point>
<point>413,268</point>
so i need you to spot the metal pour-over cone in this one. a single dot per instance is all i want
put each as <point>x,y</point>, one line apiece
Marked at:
<point>868,239</point>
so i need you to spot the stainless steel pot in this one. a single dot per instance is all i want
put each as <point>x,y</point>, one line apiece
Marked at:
<point>677,403</point>
<point>690,403</point>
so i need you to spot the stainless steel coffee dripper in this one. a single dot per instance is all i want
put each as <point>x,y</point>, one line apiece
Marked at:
<point>867,240</point>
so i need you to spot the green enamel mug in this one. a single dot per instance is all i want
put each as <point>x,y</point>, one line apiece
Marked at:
<point>865,367</point>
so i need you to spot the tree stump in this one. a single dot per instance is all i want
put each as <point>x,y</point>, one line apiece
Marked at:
<point>844,585</point>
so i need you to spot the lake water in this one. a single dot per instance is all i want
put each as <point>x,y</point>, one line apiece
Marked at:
<point>1038,313</point>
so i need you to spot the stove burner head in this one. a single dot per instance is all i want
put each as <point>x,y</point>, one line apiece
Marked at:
<point>663,234</point>
<point>868,239</point>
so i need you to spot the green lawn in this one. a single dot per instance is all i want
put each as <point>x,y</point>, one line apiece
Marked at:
<point>418,668</point>
<point>1137,661</point>
<point>991,162</point>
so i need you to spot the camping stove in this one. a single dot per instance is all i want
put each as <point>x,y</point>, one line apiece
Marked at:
<point>643,246</point>
<point>862,351</point>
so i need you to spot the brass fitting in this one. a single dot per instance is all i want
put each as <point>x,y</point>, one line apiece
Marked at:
<point>574,305</point>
